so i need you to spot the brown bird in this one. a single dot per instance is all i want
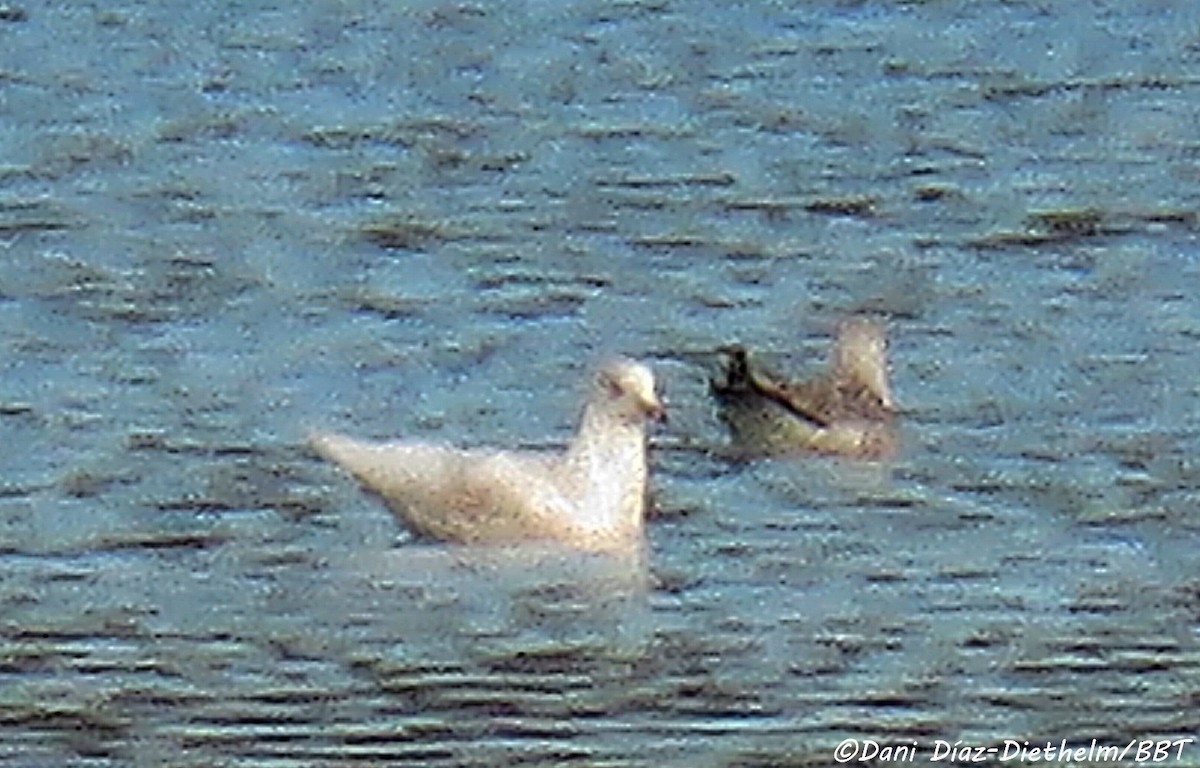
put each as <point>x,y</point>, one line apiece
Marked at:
<point>591,497</point>
<point>847,410</point>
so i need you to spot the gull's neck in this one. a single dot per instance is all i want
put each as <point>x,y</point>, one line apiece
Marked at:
<point>609,455</point>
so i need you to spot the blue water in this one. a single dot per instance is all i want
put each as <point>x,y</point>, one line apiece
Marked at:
<point>222,225</point>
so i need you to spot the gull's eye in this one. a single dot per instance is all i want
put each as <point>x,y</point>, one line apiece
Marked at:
<point>611,386</point>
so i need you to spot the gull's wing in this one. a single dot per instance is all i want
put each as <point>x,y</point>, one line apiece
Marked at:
<point>465,496</point>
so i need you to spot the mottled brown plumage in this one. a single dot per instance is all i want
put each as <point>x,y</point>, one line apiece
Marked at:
<point>847,410</point>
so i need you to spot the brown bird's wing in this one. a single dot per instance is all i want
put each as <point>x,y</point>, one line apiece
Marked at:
<point>746,378</point>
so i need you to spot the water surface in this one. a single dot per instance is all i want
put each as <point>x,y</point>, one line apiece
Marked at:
<point>222,225</point>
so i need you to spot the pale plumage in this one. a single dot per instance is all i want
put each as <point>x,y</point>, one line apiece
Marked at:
<point>592,496</point>
<point>847,410</point>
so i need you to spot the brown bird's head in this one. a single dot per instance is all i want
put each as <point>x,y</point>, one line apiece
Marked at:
<point>860,359</point>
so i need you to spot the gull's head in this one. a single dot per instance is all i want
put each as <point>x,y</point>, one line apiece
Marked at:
<point>627,387</point>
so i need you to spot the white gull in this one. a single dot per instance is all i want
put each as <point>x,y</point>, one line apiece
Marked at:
<point>591,497</point>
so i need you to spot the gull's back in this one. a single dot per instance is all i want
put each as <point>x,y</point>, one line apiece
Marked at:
<point>591,496</point>
<point>460,495</point>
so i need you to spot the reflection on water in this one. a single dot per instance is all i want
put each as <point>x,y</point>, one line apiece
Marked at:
<point>431,221</point>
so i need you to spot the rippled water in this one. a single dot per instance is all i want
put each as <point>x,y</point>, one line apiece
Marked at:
<point>222,226</point>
